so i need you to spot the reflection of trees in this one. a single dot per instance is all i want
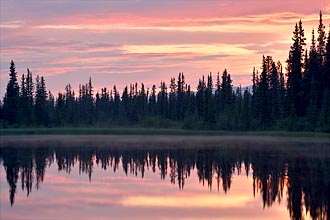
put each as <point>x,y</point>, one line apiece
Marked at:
<point>307,179</point>
<point>311,186</point>
<point>11,163</point>
<point>268,176</point>
<point>28,164</point>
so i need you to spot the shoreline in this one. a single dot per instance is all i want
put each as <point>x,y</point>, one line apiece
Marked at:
<point>156,131</point>
<point>157,140</point>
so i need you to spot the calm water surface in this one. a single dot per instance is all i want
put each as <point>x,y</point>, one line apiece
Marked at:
<point>215,181</point>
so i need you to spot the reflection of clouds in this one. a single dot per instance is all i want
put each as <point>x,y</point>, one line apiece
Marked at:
<point>118,190</point>
<point>205,201</point>
<point>121,197</point>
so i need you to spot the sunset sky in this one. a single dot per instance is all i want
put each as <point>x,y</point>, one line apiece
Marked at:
<point>122,42</point>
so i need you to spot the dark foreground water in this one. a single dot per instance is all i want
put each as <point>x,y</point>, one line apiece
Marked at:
<point>215,181</point>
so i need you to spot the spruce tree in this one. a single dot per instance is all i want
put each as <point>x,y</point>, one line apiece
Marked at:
<point>70,105</point>
<point>162,101</point>
<point>246,115</point>
<point>311,85</point>
<point>226,91</point>
<point>41,113</point>
<point>321,41</point>
<point>217,95</point>
<point>209,103</point>
<point>200,98</point>
<point>26,99</point>
<point>294,104</point>
<point>116,104</point>
<point>180,108</point>
<point>60,110</point>
<point>281,91</point>
<point>124,111</point>
<point>274,92</point>
<point>11,99</point>
<point>22,102</point>
<point>152,102</point>
<point>173,99</point>
<point>264,112</point>
<point>327,64</point>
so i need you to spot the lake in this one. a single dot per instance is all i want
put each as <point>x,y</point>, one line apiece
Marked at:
<point>164,177</point>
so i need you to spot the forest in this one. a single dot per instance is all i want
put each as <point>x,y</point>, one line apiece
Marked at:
<point>294,97</point>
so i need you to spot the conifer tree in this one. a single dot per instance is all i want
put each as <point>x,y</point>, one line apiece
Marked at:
<point>162,101</point>
<point>226,90</point>
<point>327,64</point>
<point>200,98</point>
<point>180,108</point>
<point>246,109</point>
<point>11,99</point>
<point>282,90</point>
<point>26,99</point>
<point>41,113</point>
<point>124,109</point>
<point>116,104</point>
<point>321,41</point>
<point>264,112</point>
<point>274,92</point>
<point>173,99</point>
<point>152,102</point>
<point>295,70</point>
<point>60,110</point>
<point>217,95</point>
<point>71,113</point>
<point>311,84</point>
<point>209,103</point>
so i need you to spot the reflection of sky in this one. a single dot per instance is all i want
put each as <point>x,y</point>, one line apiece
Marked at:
<point>112,195</point>
<point>120,42</point>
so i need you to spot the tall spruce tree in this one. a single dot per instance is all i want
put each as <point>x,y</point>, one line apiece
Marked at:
<point>246,117</point>
<point>321,52</point>
<point>71,112</point>
<point>26,99</point>
<point>22,101</point>
<point>321,41</point>
<point>282,90</point>
<point>180,108</point>
<point>162,101</point>
<point>311,85</point>
<point>200,98</point>
<point>210,113</point>
<point>226,91</point>
<point>41,113</point>
<point>60,110</point>
<point>173,99</point>
<point>11,99</point>
<point>295,65</point>
<point>153,102</point>
<point>327,64</point>
<point>217,95</point>
<point>264,111</point>
<point>116,104</point>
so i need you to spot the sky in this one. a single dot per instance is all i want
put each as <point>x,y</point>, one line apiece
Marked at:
<point>121,42</point>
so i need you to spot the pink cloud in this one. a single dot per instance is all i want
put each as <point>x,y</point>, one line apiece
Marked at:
<point>144,42</point>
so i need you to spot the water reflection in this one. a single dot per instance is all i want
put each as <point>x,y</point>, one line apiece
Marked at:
<point>305,176</point>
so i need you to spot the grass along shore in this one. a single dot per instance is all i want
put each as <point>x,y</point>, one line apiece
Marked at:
<point>144,131</point>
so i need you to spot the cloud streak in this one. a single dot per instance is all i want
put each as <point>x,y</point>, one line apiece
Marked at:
<point>151,41</point>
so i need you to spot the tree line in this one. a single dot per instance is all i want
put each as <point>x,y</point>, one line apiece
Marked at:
<point>296,97</point>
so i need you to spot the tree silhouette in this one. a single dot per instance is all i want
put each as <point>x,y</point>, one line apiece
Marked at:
<point>11,99</point>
